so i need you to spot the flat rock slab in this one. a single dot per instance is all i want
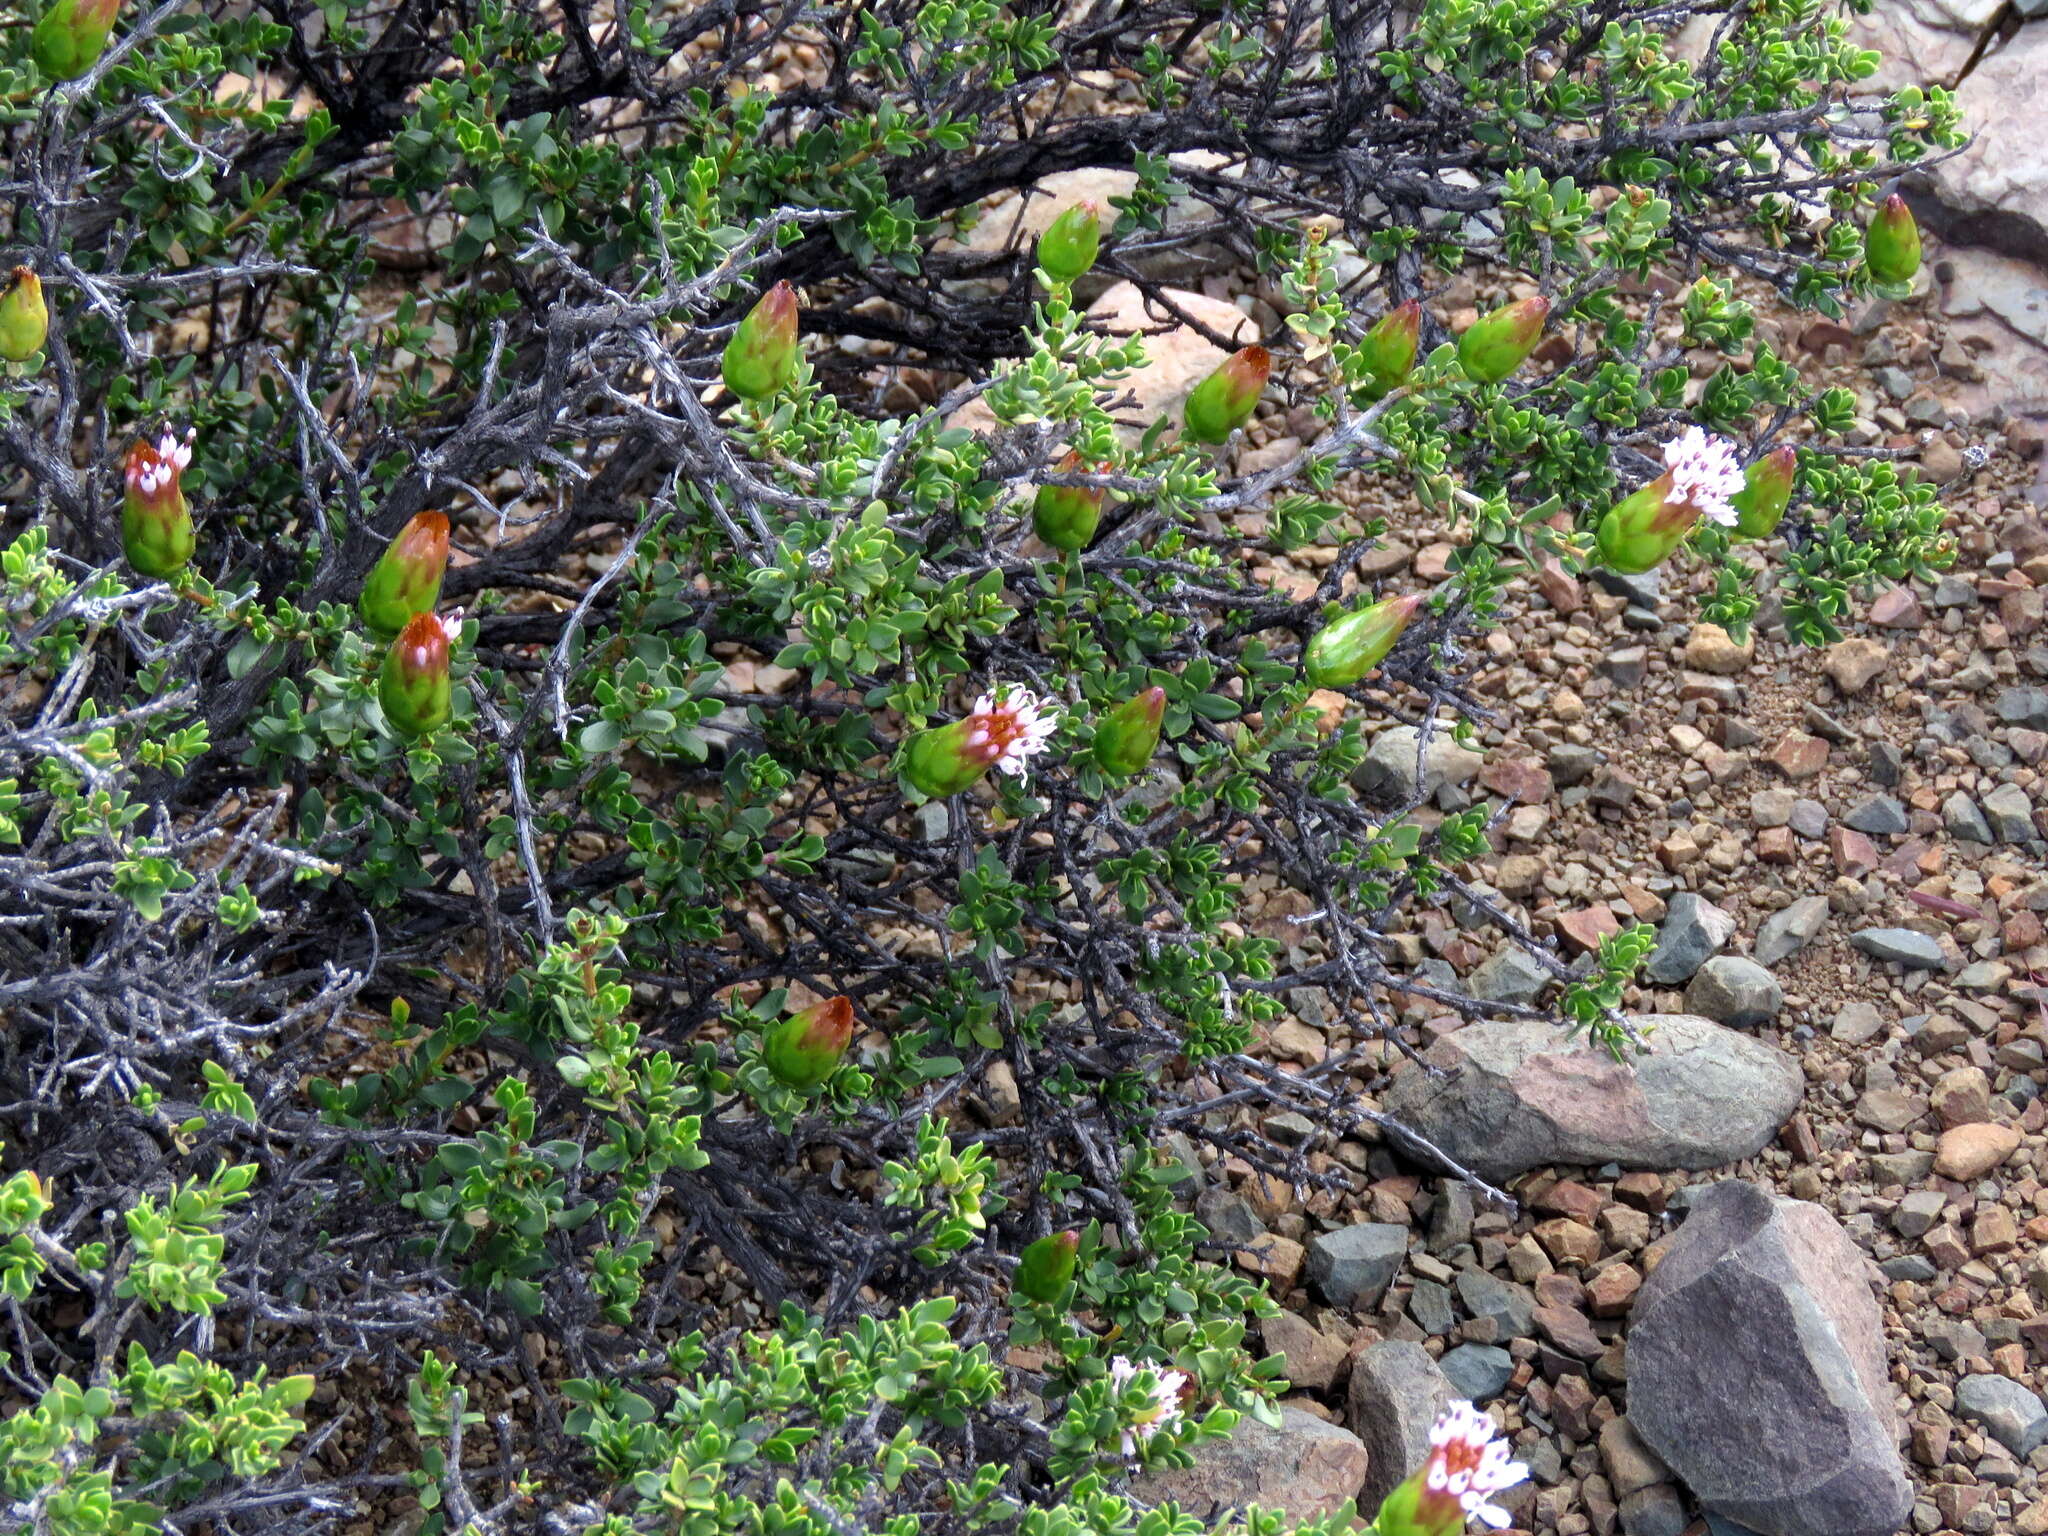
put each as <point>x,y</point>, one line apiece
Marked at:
<point>1756,1370</point>
<point>1520,1095</point>
<point>1305,1468</point>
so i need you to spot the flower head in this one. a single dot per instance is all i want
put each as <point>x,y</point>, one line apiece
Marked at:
<point>1891,246</point>
<point>71,36</point>
<point>1008,728</point>
<point>802,1049</point>
<point>1705,473</point>
<point>414,686</point>
<point>1225,400</point>
<point>1466,1466</point>
<point>761,357</point>
<point>156,524</point>
<point>24,316</point>
<point>1162,1412</point>
<point>407,577</point>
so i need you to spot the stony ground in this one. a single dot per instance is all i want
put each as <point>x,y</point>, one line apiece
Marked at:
<point>1843,850</point>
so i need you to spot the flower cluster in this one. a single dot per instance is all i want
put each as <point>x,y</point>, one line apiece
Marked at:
<point>1164,1410</point>
<point>1465,1468</point>
<point>1705,473</point>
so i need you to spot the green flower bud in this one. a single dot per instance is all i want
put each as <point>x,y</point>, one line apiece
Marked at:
<point>760,360</point>
<point>414,687</point>
<point>1007,728</point>
<point>1765,493</point>
<point>1046,1268</point>
<point>1891,246</point>
<point>1066,516</point>
<point>1495,345</point>
<point>72,35</point>
<point>1389,348</point>
<point>1702,477</point>
<point>1224,401</point>
<point>24,317</point>
<point>1068,246</point>
<point>1352,644</point>
<point>407,577</point>
<point>803,1049</point>
<point>156,523</point>
<point>1128,735</point>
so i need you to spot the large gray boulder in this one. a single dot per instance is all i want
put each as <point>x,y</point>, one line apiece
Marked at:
<point>1517,1095</point>
<point>1306,1468</point>
<point>1756,1370</point>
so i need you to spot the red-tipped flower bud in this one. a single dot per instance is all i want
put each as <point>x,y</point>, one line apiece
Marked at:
<point>1465,1468</point>
<point>1068,246</point>
<point>1766,492</point>
<point>803,1049</point>
<point>1495,345</point>
<point>1891,246</point>
<point>1700,478</point>
<point>1008,727</point>
<point>414,687</point>
<point>1224,401</point>
<point>1389,348</point>
<point>760,360</point>
<point>156,524</point>
<point>72,35</point>
<point>1066,516</point>
<point>24,317</point>
<point>1046,1267</point>
<point>1352,644</point>
<point>407,577</point>
<point>1128,735</point>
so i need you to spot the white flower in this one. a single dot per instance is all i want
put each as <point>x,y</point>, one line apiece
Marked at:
<point>1164,1409</point>
<point>451,626</point>
<point>1009,726</point>
<point>1705,473</point>
<point>1466,1463</point>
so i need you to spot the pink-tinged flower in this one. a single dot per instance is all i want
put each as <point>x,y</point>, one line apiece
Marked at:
<point>1162,1412</point>
<point>1466,1467</point>
<point>1009,726</point>
<point>156,524</point>
<point>414,686</point>
<point>1706,472</point>
<point>71,36</point>
<point>407,577</point>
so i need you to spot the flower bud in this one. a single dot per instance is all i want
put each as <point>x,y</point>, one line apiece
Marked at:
<point>1465,1468</point>
<point>414,687</point>
<point>156,523</point>
<point>1066,516</point>
<point>72,35</point>
<point>1766,492</point>
<point>1224,401</point>
<point>407,577</point>
<point>803,1049</point>
<point>1891,246</point>
<point>1700,478</point>
<point>1128,735</point>
<point>1068,246</point>
<point>1352,644</point>
<point>1008,727</point>
<point>1389,348</point>
<point>760,360</point>
<point>1495,345</point>
<point>1046,1267</point>
<point>24,317</point>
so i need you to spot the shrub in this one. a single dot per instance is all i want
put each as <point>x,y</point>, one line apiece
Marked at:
<point>681,983</point>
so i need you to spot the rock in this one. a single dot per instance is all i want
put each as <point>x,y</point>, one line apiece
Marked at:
<point>2024,706</point>
<point>1510,976</point>
<point>1879,816</point>
<point>1732,990</point>
<point>1798,755</point>
<point>1693,929</point>
<point>1995,192</point>
<point>1756,1370</point>
<point>1962,819</point>
<point>2006,1410</point>
<point>1510,1307</point>
<point>1520,1095</point>
<point>1353,1266</point>
<point>1176,360</point>
<point>1905,946</point>
<point>1709,649</point>
<point>1783,934</point>
<point>1629,1463</point>
<point>1967,1152</point>
<point>1396,1393</point>
<point>1961,1096</point>
<point>1923,42</point>
<point>1229,1218</point>
<point>1314,1359</point>
<point>1856,1023</point>
<point>1851,664</point>
<point>1306,1467</point>
<point>1654,1511</point>
<point>1478,1372</point>
<point>2009,811</point>
<point>1391,773</point>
